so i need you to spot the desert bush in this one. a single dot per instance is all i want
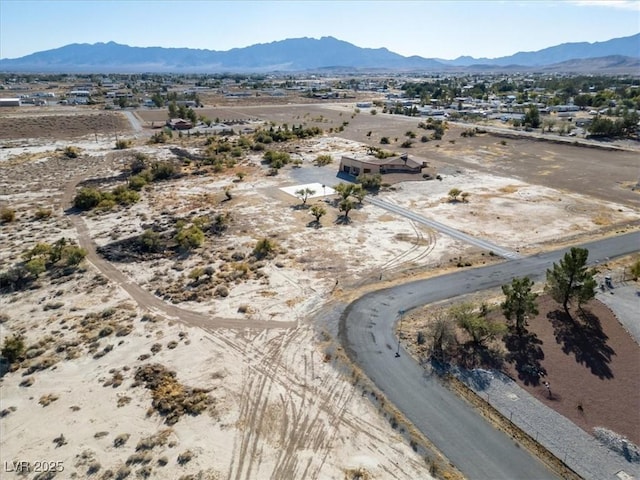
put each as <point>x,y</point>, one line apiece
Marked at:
<point>169,398</point>
<point>87,198</point>
<point>322,160</point>
<point>156,440</point>
<point>27,382</point>
<point>15,278</point>
<point>162,171</point>
<point>120,440</point>
<point>190,238</point>
<point>124,196</point>
<point>48,399</point>
<point>139,458</point>
<point>145,472</point>
<point>160,137</point>
<point>163,461</point>
<point>60,441</point>
<point>139,163</point>
<point>185,457</point>
<point>53,306</point>
<point>71,152</point>
<point>276,160</point>
<point>13,348</point>
<point>7,215</point>
<point>221,291</point>
<point>385,141</point>
<point>151,241</point>
<point>122,144</point>
<point>406,144</point>
<point>42,213</point>
<point>94,467</point>
<point>137,182</point>
<point>370,182</point>
<point>123,472</point>
<point>264,248</point>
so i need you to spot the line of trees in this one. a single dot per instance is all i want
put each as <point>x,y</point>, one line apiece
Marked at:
<point>568,282</point>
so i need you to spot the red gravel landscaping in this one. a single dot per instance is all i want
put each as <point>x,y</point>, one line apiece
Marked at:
<point>591,364</point>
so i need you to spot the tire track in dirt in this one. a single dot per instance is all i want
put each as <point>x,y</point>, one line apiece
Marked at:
<point>303,426</point>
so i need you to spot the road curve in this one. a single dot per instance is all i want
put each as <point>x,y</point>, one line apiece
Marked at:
<point>476,448</point>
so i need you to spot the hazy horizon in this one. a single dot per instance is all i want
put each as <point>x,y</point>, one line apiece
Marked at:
<point>435,29</point>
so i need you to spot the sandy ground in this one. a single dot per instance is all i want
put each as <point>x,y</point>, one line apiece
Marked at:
<point>282,407</point>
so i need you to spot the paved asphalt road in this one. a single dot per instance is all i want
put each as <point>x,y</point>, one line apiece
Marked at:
<point>473,445</point>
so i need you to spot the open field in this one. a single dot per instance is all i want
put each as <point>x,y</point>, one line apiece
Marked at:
<point>254,332</point>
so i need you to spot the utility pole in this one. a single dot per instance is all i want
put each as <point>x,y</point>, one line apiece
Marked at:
<point>401,312</point>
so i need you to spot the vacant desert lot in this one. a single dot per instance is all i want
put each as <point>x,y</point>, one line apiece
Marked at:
<point>279,402</point>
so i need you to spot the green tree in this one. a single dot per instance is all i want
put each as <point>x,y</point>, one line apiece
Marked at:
<point>345,206</point>
<point>318,211</point>
<point>173,110</point>
<point>442,335</point>
<point>344,190</point>
<point>479,328</point>
<point>157,100</point>
<point>532,117</point>
<point>571,279</point>
<point>359,192</point>
<point>304,194</point>
<point>519,302</point>
<point>13,348</point>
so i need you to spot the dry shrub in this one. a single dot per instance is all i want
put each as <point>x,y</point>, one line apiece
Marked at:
<point>120,440</point>
<point>47,399</point>
<point>356,474</point>
<point>157,439</point>
<point>170,398</point>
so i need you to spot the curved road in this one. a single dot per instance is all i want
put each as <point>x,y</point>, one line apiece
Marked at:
<point>464,437</point>
<point>475,447</point>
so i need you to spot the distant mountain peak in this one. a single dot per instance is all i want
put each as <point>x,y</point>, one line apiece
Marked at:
<point>293,54</point>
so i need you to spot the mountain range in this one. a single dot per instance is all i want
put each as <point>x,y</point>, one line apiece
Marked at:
<point>309,54</point>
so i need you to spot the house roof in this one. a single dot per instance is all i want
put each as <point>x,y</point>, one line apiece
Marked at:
<point>391,161</point>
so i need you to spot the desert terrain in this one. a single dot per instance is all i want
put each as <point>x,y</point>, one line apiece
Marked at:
<point>222,361</point>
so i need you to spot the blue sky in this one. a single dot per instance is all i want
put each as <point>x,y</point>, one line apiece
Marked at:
<point>441,29</point>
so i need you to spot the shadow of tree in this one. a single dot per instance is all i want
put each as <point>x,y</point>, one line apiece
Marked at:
<point>314,224</point>
<point>526,353</point>
<point>471,355</point>
<point>585,340</point>
<point>342,220</point>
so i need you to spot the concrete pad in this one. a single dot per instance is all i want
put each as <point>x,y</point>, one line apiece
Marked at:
<point>317,187</point>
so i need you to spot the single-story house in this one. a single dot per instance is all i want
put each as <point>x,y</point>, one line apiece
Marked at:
<point>368,165</point>
<point>179,124</point>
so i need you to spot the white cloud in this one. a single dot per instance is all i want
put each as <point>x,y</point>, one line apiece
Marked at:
<point>619,4</point>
